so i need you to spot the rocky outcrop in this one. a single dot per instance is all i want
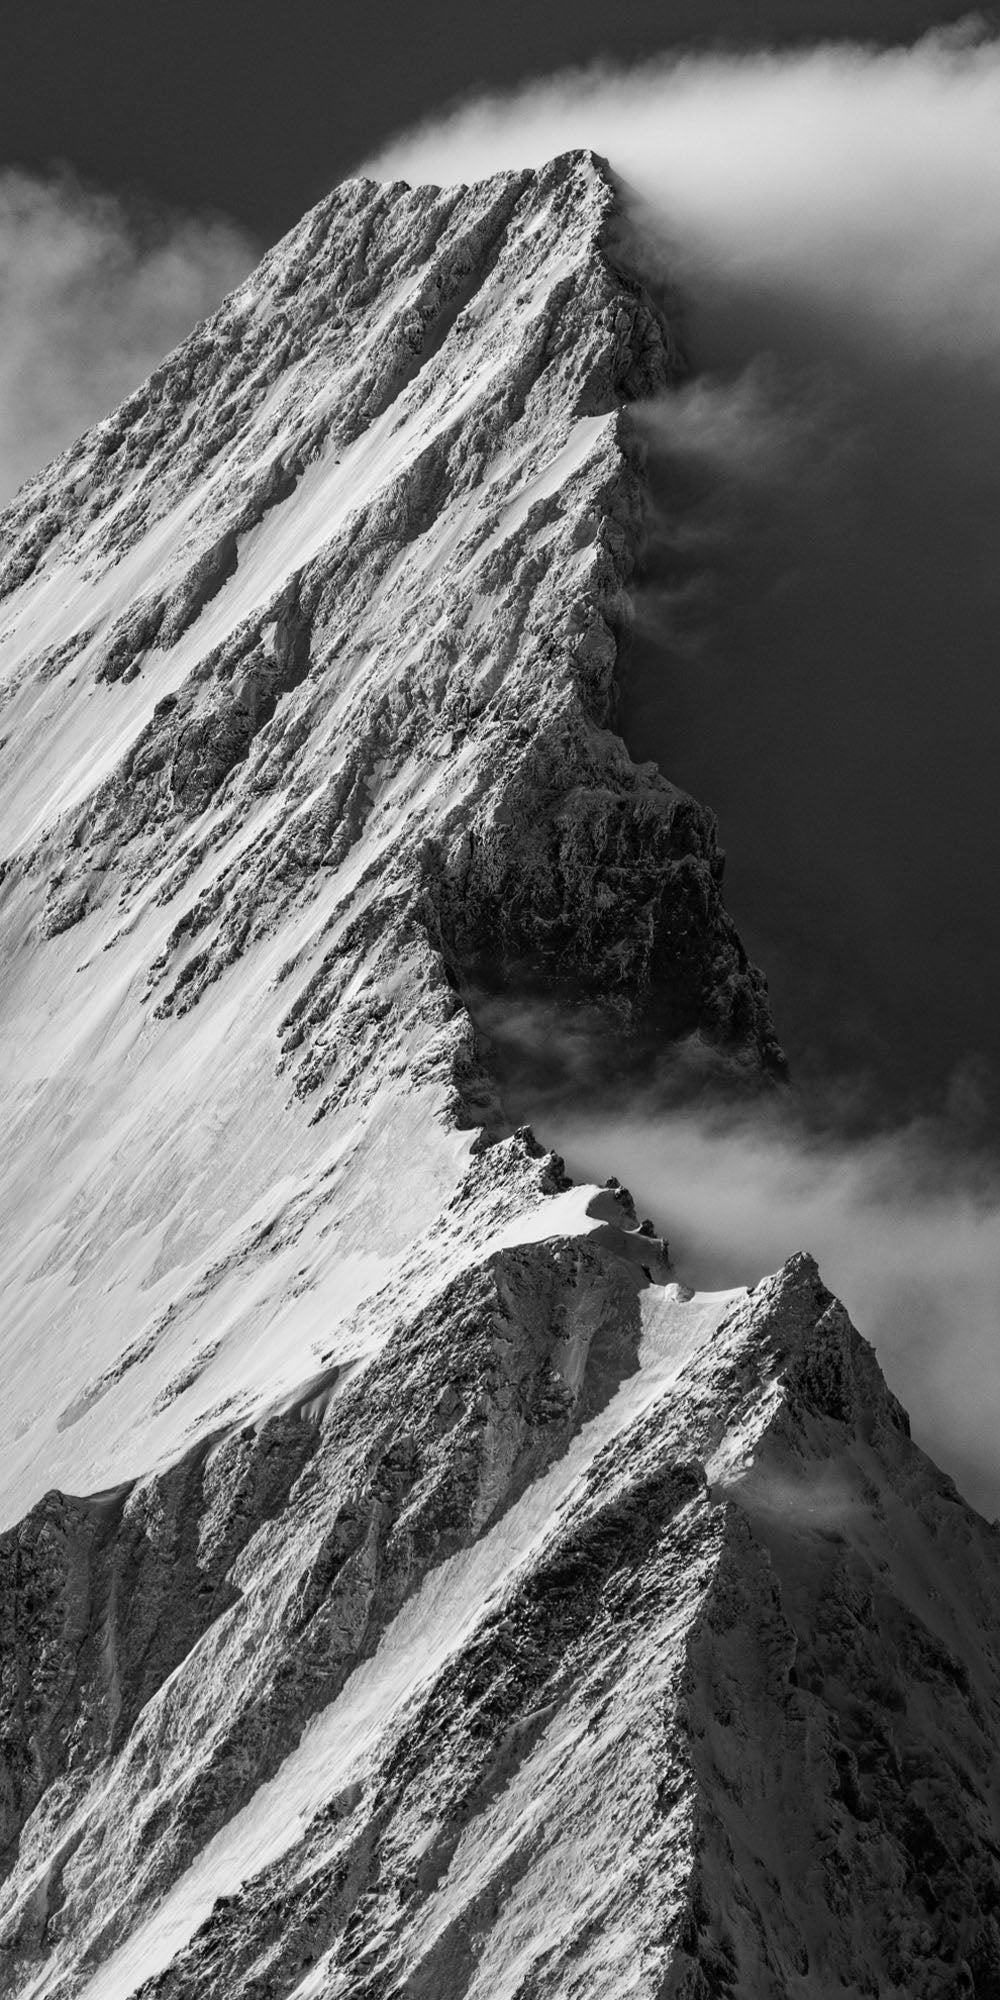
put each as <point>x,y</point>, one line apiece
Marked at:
<point>289,1546</point>
<point>583,885</point>
<point>842,1702</point>
<point>588,1633</point>
<point>103,1597</point>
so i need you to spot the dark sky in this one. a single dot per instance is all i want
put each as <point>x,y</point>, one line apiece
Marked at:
<point>840,710</point>
<point>257,110</point>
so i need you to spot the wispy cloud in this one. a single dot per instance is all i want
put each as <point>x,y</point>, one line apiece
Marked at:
<point>904,1221</point>
<point>816,655</point>
<point>94,290</point>
<point>906,1231</point>
<point>815,658</point>
<point>868,181</point>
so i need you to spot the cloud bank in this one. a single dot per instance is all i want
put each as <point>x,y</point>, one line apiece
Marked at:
<point>95,290</point>
<point>815,656</point>
<point>864,182</point>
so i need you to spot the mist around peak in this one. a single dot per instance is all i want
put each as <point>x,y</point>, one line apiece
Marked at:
<point>814,656</point>
<point>815,630</point>
<point>905,1230</point>
<point>97,287</point>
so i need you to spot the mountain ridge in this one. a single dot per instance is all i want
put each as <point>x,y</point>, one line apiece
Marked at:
<point>434,785</point>
<point>441,1565</point>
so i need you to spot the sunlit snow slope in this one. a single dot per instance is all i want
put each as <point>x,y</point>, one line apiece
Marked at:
<point>406,1588</point>
<point>307,662</point>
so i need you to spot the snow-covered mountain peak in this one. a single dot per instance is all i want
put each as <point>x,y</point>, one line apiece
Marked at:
<point>409,1587</point>
<point>308,661</point>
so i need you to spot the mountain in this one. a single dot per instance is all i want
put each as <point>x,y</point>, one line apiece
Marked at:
<point>407,1587</point>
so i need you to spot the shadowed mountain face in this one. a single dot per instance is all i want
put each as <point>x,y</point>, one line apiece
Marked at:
<point>407,1587</point>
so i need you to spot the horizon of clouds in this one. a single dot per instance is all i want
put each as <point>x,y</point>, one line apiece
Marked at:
<point>95,288</point>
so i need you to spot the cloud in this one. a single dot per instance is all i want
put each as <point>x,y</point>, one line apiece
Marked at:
<point>906,1232</point>
<point>815,651</point>
<point>814,656</point>
<point>867,181</point>
<point>904,1222</point>
<point>96,289</point>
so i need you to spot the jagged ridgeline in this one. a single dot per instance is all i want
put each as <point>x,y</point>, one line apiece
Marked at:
<point>406,1589</point>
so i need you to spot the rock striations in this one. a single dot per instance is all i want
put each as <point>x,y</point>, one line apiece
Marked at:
<point>406,1588</point>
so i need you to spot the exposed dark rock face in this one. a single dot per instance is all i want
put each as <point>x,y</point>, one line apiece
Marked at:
<point>352,1496</point>
<point>579,883</point>
<point>658,1602</point>
<point>104,1597</point>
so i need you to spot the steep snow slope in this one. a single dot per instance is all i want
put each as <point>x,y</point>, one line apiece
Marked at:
<point>407,1588</point>
<point>585,1637</point>
<point>307,660</point>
